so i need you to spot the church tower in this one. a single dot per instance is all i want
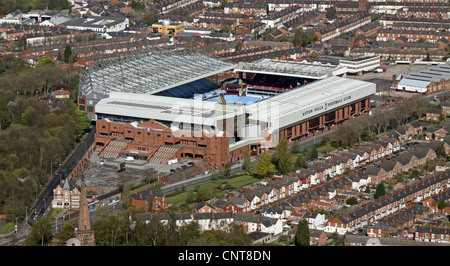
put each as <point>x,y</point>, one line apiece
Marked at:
<point>84,233</point>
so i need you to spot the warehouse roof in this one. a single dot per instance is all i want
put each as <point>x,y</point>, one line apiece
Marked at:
<point>424,77</point>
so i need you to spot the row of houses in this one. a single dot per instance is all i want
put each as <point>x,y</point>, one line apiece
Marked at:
<point>334,30</point>
<point>319,172</point>
<point>389,204</point>
<point>221,221</point>
<point>411,35</point>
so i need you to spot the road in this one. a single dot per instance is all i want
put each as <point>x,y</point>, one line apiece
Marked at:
<point>46,196</point>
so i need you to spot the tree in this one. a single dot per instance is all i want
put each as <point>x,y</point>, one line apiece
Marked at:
<point>302,236</point>
<point>352,201</point>
<point>441,205</point>
<point>202,194</point>
<point>41,233</point>
<point>45,60</point>
<point>380,191</point>
<point>68,56</point>
<point>296,148</point>
<point>331,13</point>
<point>314,153</point>
<point>300,162</point>
<point>67,232</point>
<point>151,17</point>
<point>264,167</point>
<point>282,158</point>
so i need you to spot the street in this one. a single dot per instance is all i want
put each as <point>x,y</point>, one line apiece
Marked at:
<point>46,196</point>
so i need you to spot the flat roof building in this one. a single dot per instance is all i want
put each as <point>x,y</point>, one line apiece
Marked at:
<point>432,79</point>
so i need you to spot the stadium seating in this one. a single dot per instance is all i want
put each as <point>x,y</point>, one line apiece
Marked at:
<point>274,83</point>
<point>190,89</point>
<point>112,150</point>
<point>163,154</point>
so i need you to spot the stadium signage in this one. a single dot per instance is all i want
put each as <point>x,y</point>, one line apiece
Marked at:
<point>326,105</point>
<point>344,99</point>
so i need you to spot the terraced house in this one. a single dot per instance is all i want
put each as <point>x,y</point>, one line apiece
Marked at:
<point>389,204</point>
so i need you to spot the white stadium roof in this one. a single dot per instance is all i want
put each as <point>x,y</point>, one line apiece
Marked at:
<point>303,69</point>
<point>162,108</point>
<point>283,110</point>
<point>308,101</point>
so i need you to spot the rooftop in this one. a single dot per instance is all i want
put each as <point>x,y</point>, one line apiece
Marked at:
<point>304,69</point>
<point>148,72</point>
<point>308,101</point>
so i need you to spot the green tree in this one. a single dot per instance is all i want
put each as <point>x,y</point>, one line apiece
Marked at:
<point>302,235</point>
<point>441,205</point>
<point>282,158</point>
<point>264,167</point>
<point>380,191</point>
<point>29,116</point>
<point>202,194</point>
<point>45,60</point>
<point>313,154</point>
<point>151,17</point>
<point>67,232</point>
<point>41,233</point>
<point>68,56</point>
<point>296,148</point>
<point>352,201</point>
<point>300,162</point>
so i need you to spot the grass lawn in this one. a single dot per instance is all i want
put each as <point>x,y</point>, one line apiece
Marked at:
<point>8,227</point>
<point>236,182</point>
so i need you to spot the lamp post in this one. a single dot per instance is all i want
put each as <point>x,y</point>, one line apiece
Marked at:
<point>51,168</point>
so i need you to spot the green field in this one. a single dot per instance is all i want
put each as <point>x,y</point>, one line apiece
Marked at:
<point>212,187</point>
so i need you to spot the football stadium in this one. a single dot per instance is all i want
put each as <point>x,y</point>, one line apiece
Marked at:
<point>164,105</point>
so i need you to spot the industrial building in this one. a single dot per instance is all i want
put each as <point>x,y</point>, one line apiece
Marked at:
<point>426,81</point>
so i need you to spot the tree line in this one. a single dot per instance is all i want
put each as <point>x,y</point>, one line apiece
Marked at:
<point>380,120</point>
<point>7,6</point>
<point>35,134</point>
<point>125,230</point>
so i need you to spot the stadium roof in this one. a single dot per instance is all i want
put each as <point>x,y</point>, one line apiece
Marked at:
<point>309,101</point>
<point>304,69</point>
<point>162,108</point>
<point>281,111</point>
<point>148,73</point>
